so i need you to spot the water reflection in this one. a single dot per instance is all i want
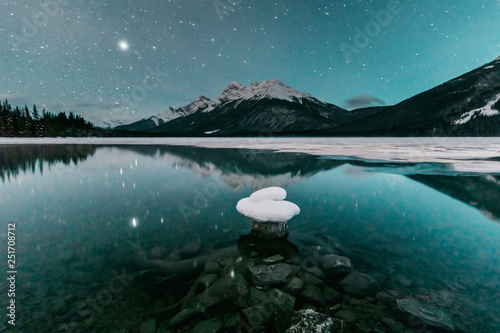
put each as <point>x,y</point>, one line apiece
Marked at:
<point>32,157</point>
<point>139,208</point>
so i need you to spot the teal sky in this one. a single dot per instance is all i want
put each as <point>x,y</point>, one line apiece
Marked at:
<point>126,60</point>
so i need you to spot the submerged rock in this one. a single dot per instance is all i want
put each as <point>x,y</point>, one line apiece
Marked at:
<point>270,274</point>
<point>359,285</point>
<point>335,266</point>
<point>295,285</point>
<point>208,326</point>
<point>259,314</point>
<point>227,288</point>
<point>313,294</point>
<point>273,259</point>
<point>426,313</point>
<point>281,299</point>
<point>289,321</point>
<point>190,249</point>
<point>183,316</point>
<point>148,327</point>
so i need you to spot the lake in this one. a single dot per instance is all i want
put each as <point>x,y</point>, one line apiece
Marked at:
<point>126,235</point>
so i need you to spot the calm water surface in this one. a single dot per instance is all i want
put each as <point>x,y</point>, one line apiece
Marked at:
<point>82,214</point>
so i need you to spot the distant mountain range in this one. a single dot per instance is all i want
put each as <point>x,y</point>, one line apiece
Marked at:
<point>466,106</point>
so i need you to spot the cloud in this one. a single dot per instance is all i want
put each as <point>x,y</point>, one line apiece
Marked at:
<point>107,106</point>
<point>362,101</point>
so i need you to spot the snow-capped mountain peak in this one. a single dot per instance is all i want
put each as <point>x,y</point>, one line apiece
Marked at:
<point>272,89</point>
<point>202,103</point>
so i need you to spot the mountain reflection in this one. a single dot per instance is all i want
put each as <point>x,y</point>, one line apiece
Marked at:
<point>481,191</point>
<point>257,169</point>
<point>242,167</point>
<point>25,158</point>
<point>238,168</point>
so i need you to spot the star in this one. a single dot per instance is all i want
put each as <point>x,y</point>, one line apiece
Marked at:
<point>123,45</point>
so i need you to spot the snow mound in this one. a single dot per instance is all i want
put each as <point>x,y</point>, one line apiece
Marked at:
<point>268,205</point>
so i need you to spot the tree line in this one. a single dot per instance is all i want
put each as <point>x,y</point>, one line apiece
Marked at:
<point>22,122</point>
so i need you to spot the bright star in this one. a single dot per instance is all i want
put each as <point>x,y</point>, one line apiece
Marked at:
<point>123,45</point>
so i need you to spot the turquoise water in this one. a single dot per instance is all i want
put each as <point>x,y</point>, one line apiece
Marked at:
<point>79,211</point>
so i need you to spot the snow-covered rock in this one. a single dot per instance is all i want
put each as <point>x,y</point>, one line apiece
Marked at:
<point>267,205</point>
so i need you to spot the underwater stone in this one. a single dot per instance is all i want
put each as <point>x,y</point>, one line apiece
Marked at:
<point>183,316</point>
<point>335,262</point>
<point>148,327</point>
<point>359,285</point>
<point>191,248</point>
<point>281,299</point>
<point>270,274</point>
<point>290,321</point>
<point>257,297</point>
<point>428,314</point>
<point>273,259</point>
<point>227,288</point>
<point>313,294</point>
<point>209,326</point>
<point>295,285</point>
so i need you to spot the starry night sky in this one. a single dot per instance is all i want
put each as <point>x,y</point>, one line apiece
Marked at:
<point>132,59</point>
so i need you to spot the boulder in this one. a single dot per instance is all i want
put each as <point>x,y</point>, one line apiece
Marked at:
<point>208,326</point>
<point>270,274</point>
<point>183,317</point>
<point>257,297</point>
<point>289,321</point>
<point>190,249</point>
<point>359,285</point>
<point>148,326</point>
<point>294,285</point>
<point>312,293</point>
<point>274,259</point>
<point>227,288</point>
<point>281,299</point>
<point>336,267</point>
<point>426,313</point>
<point>259,314</point>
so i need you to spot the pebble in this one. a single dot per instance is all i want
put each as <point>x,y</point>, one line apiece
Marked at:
<point>273,259</point>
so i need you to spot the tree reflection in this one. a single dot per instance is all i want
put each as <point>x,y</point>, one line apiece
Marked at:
<point>26,158</point>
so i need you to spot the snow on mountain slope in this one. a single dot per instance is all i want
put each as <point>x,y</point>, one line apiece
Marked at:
<point>109,123</point>
<point>201,104</point>
<point>485,111</point>
<point>271,89</point>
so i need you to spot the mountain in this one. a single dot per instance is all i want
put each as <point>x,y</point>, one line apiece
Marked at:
<point>269,106</point>
<point>108,124</point>
<point>465,106</point>
<point>201,104</point>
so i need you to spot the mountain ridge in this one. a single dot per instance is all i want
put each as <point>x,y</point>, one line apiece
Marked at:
<point>468,105</point>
